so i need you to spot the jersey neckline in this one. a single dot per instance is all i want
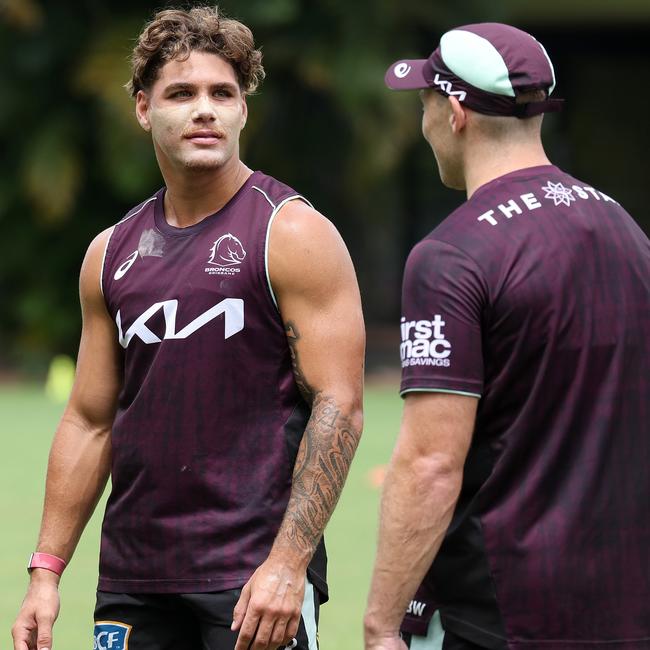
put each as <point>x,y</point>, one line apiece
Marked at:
<point>518,174</point>
<point>167,229</point>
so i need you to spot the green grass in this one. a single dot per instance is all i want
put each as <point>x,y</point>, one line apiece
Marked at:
<point>28,419</point>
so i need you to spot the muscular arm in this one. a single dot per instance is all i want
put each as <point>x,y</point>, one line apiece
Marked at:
<point>79,461</point>
<point>420,493</point>
<point>326,451</point>
<point>316,289</point>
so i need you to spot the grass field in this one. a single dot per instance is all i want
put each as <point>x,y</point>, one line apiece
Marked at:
<point>27,420</point>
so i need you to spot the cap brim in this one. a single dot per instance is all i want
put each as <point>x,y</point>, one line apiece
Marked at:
<point>407,74</point>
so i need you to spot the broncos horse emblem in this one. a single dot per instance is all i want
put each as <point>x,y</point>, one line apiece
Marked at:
<point>227,251</point>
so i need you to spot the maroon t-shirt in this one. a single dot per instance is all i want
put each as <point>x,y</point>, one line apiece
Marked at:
<point>534,296</point>
<point>209,418</point>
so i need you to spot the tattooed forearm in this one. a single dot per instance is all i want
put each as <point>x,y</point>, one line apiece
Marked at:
<point>320,471</point>
<point>326,451</point>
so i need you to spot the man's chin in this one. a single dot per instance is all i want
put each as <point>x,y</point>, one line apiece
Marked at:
<point>451,180</point>
<point>203,163</point>
<point>453,183</point>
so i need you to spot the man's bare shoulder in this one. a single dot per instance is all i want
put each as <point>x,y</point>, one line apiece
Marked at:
<point>302,234</point>
<point>98,244</point>
<point>91,269</point>
<point>297,221</point>
<point>305,249</point>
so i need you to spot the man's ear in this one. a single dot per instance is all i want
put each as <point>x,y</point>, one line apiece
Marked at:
<point>244,111</point>
<point>142,110</point>
<point>458,116</point>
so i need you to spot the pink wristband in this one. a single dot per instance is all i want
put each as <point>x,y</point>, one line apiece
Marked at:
<point>46,561</point>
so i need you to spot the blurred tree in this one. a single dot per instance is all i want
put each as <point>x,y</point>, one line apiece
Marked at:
<point>74,159</point>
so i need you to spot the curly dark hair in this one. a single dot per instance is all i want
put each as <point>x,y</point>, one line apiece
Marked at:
<point>175,33</point>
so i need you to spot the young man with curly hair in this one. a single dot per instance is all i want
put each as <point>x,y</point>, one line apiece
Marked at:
<point>219,380</point>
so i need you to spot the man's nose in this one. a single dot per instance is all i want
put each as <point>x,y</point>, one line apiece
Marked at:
<point>203,109</point>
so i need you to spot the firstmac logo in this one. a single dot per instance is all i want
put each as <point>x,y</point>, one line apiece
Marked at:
<point>424,343</point>
<point>231,308</point>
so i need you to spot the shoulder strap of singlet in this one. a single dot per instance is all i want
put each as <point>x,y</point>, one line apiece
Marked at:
<point>128,216</point>
<point>275,209</point>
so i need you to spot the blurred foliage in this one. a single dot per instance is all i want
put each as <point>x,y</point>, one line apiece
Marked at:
<point>74,159</point>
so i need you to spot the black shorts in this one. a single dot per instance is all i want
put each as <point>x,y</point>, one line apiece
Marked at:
<point>448,642</point>
<point>438,639</point>
<point>183,621</point>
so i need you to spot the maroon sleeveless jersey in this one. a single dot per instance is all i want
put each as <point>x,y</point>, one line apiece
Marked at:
<point>209,418</point>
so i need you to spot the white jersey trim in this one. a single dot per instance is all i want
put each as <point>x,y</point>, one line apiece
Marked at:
<point>309,616</point>
<point>266,196</point>
<point>276,209</point>
<point>435,636</point>
<point>108,240</point>
<point>101,271</point>
<point>439,390</point>
<point>138,211</point>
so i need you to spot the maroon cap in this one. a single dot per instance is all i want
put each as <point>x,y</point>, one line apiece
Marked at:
<point>486,66</point>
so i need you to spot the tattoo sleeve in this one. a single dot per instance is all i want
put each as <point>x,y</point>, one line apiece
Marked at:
<point>323,460</point>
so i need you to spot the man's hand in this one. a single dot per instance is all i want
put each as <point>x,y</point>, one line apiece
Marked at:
<point>378,637</point>
<point>33,627</point>
<point>379,642</point>
<point>267,614</point>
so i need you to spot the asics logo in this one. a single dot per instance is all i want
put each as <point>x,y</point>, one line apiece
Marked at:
<point>123,268</point>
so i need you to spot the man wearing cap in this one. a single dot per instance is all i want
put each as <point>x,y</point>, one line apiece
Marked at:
<point>515,512</point>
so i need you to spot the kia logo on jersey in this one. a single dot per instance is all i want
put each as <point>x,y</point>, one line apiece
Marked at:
<point>231,308</point>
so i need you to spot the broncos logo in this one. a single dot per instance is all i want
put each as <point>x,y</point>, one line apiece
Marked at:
<point>227,251</point>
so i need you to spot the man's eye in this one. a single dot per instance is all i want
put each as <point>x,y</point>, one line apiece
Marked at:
<point>223,93</point>
<point>181,93</point>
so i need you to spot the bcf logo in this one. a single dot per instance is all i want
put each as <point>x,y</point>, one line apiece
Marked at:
<point>110,635</point>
